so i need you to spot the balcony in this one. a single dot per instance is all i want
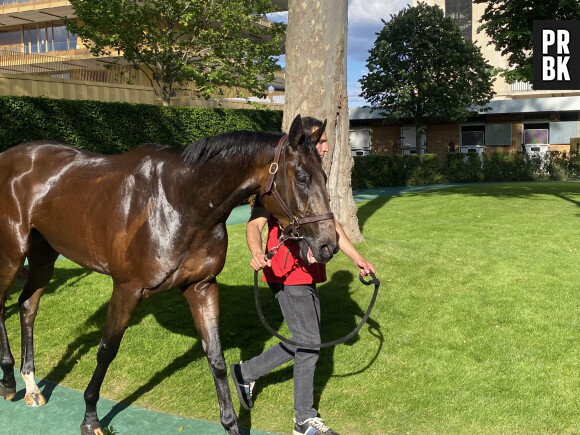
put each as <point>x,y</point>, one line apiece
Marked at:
<point>18,12</point>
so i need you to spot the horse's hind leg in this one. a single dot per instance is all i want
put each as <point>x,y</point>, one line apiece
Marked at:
<point>41,260</point>
<point>121,306</point>
<point>204,305</point>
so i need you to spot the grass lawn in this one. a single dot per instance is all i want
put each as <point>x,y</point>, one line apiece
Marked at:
<point>476,329</point>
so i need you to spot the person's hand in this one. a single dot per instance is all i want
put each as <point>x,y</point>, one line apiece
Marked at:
<point>259,261</point>
<point>365,266</point>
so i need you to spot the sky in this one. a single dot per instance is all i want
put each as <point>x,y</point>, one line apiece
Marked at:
<point>364,21</point>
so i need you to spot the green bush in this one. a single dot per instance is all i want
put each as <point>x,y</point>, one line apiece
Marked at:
<point>464,168</point>
<point>424,170</point>
<point>385,170</point>
<point>116,127</point>
<point>396,170</point>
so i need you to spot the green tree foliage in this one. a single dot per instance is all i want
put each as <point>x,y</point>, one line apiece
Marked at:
<point>509,25</point>
<point>210,43</point>
<point>421,68</point>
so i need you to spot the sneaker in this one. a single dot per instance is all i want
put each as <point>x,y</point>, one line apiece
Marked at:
<point>243,388</point>
<point>312,426</point>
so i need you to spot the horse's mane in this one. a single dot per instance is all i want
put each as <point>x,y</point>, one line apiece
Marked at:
<point>242,145</point>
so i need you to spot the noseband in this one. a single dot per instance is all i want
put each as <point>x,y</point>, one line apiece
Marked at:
<point>291,231</point>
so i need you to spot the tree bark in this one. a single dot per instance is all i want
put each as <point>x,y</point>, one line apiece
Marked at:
<point>316,85</point>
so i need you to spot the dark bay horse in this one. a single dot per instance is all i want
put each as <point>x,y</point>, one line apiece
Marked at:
<point>153,219</point>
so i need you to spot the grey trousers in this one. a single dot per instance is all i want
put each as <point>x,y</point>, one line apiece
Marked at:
<point>301,310</point>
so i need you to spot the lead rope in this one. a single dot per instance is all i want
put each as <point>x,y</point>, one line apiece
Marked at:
<point>374,280</point>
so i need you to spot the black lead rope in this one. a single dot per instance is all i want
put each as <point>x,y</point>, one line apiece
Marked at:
<point>374,280</point>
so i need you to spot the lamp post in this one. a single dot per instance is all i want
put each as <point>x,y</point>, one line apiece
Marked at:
<point>271,93</point>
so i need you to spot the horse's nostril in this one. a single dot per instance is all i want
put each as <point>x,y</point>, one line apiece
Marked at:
<point>327,251</point>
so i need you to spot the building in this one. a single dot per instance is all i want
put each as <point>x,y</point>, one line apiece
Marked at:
<point>39,57</point>
<point>520,118</point>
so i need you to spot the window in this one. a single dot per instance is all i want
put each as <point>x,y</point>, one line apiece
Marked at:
<point>561,132</point>
<point>472,135</point>
<point>45,37</point>
<point>536,134</point>
<point>11,40</point>
<point>460,12</point>
<point>498,134</point>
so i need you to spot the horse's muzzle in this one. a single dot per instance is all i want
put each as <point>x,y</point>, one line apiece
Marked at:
<point>323,254</point>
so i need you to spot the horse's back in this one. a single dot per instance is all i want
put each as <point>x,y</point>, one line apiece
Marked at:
<point>89,207</point>
<point>36,159</point>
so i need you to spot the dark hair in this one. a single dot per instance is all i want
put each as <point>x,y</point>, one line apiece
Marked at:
<point>309,123</point>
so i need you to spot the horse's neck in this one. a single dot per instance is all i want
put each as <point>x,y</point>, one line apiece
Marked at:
<point>229,185</point>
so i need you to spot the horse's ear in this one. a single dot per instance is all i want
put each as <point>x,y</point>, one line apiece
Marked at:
<point>316,134</point>
<point>296,131</point>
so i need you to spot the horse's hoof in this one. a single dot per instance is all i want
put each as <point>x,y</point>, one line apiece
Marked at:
<point>91,429</point>
<point>7,393</point>
<point>34,399</point>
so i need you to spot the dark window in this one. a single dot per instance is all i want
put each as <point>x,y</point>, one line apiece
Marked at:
<point>460,12</point>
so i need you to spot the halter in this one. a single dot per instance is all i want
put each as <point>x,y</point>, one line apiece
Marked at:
<point>291,231</point>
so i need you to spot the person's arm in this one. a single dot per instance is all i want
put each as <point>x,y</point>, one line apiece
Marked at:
<point>254,227</point>
<point>345,245</point>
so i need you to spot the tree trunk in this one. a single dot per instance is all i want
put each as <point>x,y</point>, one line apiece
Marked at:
<point>316,85</point>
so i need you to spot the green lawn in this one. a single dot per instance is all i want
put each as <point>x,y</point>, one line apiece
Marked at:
<point>476,328</point>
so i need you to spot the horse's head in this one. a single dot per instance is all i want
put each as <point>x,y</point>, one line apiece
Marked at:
<point>296,194</point>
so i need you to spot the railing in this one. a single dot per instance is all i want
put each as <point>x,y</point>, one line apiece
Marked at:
<point>69,68</point>
<point>521,87</point>
<point>13,2</point>
<point>19,61</point>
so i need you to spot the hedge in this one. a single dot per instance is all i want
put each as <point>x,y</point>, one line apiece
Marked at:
<point>395,170</point>
<point>111,128</point>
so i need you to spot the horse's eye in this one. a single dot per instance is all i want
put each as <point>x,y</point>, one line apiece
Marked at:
<point>303,179</point>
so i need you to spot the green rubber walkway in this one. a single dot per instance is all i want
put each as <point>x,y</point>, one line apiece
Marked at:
<point>64,410</point>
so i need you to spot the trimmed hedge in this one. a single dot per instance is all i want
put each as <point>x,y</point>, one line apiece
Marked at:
<point>394,170</point>
<point>111,128</point>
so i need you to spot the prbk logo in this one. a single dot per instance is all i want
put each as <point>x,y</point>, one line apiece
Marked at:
<point>557,55</point>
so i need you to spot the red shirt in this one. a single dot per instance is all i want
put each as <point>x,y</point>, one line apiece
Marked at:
<point>287,265</point>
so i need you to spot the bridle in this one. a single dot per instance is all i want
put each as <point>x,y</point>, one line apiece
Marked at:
<point>295,222</point>
<point>291,232</point>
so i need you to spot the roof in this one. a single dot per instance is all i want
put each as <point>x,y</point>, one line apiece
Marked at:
<point>531,105</point>
<point>363,113</point>
<point>520,105</point>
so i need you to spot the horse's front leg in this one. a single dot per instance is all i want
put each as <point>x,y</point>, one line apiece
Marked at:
<point>121,306</point>
<point>8,382</point>
<point>204,305</point>
<point>8,270</point>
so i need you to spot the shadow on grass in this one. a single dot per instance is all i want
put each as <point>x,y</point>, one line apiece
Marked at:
<point>509,190</point>
<point>565,190</point>
<point>60,277</point>
<point>240,327</point>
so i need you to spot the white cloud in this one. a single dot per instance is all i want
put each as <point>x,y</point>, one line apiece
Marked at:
<point>369,11</point>
<point>364,21</point>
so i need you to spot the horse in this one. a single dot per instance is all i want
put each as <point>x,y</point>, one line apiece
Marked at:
<point>152,218</point>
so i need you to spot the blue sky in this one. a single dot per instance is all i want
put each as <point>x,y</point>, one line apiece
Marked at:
<point>364,21</point>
